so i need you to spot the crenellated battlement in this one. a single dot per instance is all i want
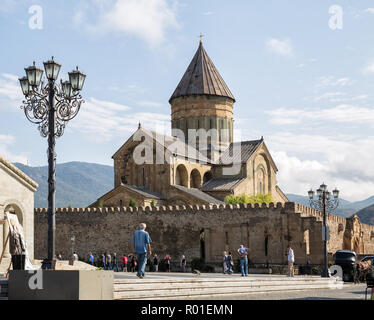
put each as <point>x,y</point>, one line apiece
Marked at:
<point>310,212</point>
<point>169,209</point>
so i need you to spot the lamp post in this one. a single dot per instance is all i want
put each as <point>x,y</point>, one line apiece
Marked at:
<point>324,202</point>
<point>51,106</point>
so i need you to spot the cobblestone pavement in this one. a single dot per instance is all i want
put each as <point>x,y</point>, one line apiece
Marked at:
<point>349,292</point>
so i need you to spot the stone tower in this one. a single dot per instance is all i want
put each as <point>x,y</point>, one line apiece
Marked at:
<point>202,100</point>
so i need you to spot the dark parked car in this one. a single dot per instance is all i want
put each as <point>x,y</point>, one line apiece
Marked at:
<point>369,259</point>
<point>347,260</point>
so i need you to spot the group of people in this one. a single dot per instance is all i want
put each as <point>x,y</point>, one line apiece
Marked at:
<point>228,261</point>
<point>143,252</point>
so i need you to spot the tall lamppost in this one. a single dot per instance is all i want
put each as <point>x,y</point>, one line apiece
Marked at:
<point>324,202</point>
<point>51,106</point>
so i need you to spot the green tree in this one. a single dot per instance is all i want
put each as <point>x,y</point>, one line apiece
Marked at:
<point>246,199</point>
<point>132,203</point>
<point>153,203</point>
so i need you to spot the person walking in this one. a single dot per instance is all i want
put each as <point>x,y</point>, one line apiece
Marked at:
<point>91,259</point>
<point>167,263</point>
<point>142,246</point>
<point>291,260</point>
<point>108,261</point>
<point>224,262</point>
<point>155,262</point>
<point>103,264</point>
<point>124,263</point>
<point>243,253</point>
<point>75,256</point>
<point>183,264</point>
<point>115,262</point>
<point>229,263</point>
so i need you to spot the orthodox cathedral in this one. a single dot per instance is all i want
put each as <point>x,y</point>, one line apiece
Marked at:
<point>199,163</point>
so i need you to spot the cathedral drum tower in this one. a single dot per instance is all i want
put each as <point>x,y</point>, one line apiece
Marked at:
<point>202,100</point>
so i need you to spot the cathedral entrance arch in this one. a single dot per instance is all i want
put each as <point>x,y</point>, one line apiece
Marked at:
<point>181,177</point>
<point>195,179</point>
<point>207,176</point>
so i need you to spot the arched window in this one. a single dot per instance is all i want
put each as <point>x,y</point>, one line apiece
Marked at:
<point>260,180</point>
<point>181,176</point>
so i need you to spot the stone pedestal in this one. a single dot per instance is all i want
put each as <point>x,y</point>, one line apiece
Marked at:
<point>60,285</point>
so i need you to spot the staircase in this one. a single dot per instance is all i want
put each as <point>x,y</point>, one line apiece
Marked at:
<point>4,281</point>
<point>3,288</point>
<point>191,288</point>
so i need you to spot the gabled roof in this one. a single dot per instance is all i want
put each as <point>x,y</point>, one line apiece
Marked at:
<point>19,174</point>
<point>202,77</point>
<point>199,194</point>
<point>222,184</point>
<point>247,148</point>
<point>143,192</point>
<point>173,144</point>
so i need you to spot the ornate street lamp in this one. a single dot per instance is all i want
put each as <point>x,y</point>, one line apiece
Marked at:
<point>51,107</point>
<point>324,202</point>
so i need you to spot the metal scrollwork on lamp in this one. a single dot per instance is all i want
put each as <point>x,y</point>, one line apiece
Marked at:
<point>324,202</point>
<point>51,106</point>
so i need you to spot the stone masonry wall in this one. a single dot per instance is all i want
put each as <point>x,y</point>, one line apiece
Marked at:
<point>265,229</point>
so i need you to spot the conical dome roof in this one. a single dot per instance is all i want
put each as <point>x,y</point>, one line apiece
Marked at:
<point>202,77</point>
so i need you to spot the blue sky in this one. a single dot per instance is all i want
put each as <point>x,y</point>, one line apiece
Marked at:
<point>305,87</point>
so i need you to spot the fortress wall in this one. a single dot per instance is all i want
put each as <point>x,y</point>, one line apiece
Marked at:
<point>177,230</point>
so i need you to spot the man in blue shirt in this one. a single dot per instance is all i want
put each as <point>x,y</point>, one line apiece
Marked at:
<point>243,253</point>
<point>142,244</point>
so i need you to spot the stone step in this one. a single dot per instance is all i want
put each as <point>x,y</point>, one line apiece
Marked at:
<point>198,292</point>
<point>185,288</point>
<point>250,284</point>
<point>228,279</point>
<point>3,288</point>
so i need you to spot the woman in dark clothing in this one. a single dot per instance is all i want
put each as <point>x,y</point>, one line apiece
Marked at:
<point>167,263</point>
<point>229,263</point>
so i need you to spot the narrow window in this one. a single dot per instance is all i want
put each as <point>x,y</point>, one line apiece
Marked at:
<point>266,245</point>
<point>143,177</point>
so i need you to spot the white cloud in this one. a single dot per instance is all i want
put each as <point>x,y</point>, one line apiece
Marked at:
<point>340,97</point>
<point>342,162</point>
<point>10,88</point>
<point>145,19</point>
<point>7,141</point>
<point>281,47</point>
<point>370,10</point>
<point>343,113</point>
<point>102,121</point>
<point>369,68</point>
<point>332,81</point>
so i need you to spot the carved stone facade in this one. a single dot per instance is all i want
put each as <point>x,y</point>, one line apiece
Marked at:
<point>16,197</point>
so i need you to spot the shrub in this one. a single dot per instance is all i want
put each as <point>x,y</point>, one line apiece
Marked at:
<point>245,199</point>
<point>153,203</point>
<point>132,203</point>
